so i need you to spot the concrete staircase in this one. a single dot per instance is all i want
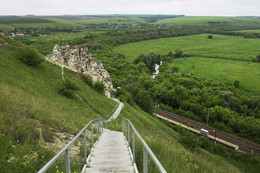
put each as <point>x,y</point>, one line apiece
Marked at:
<point>110,155</point>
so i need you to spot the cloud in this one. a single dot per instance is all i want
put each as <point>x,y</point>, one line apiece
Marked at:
<point>187,7</point>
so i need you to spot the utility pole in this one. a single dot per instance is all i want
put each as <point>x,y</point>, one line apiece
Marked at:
<point>209,109</point>
<point>208,118</point>
<point>215,135</point>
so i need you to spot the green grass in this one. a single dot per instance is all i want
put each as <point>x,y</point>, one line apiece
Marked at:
<point>163,141</point>
<point>13,20</point>
<point>109,20</point>
<point>52,22</point>
<point>250,31</point>
<point>29,101</point>
<point>226,71</point>
<point>228,47</point>
<point>205,21</point>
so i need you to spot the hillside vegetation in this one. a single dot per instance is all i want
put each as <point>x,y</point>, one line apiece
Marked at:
<point>211,21</point>
<point>226,71</point>
<point>30,105</point>
<point>223,58</point>
<point>221,46</point>
<point>32,112</point>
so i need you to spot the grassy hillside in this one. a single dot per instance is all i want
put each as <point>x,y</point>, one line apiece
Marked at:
<point>238,51</point>
<point>208,21</point>
<point>32,113</point>
<point>8,24</point>
<point>226,71</point>
<point>30,103</point>
<point>228,47</point>
<point>164,143</point>
<point>251,31</point>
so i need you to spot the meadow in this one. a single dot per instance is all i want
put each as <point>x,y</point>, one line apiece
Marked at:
<point>207,21</point>
<point>226,71</point>
<point>250,31</point>
<point>221,46</point>
<point>223,58</point>
<point>9,25</point>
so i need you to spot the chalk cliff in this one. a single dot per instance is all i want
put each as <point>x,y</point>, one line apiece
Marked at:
<point>80,60</point>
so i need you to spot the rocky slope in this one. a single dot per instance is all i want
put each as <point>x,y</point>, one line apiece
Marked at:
<point>80,60</point>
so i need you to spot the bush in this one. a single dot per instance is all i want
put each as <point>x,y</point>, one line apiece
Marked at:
<point>178,53</point>
<point>87,79</point>
<point>67,88</point>
<point>210,37</point>
<point>236,83</point>
<point>70,85</point>
<point>257,58</point>
<point>29,56</point>
<point>175,69</point>
<point>99,87</point>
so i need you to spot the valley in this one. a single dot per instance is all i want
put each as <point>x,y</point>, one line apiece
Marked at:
<point>37,105</point>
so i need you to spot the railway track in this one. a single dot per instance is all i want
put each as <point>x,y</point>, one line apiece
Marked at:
<point>244,145</point>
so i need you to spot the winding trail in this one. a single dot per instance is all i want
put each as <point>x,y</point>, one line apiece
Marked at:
<point>118,110</point>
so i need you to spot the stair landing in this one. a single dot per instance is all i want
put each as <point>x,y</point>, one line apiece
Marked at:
<point>110,155</point>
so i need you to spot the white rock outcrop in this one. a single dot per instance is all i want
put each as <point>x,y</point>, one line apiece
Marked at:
<point>80,60</point>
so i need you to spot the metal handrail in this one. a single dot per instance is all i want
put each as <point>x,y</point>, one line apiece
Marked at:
<point>66,148</point>
<point>126,123</point>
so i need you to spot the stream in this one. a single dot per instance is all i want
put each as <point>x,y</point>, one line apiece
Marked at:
<point>157,66</point>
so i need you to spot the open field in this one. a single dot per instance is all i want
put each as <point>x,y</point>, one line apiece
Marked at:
<point>109,20</point>
<point>226,71</point>
<point>250,31</point>
<point>221,46</point>
<point>8,26</point>
<point>207,21</point>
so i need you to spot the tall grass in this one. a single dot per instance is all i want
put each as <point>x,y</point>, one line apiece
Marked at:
<point>29,101</point>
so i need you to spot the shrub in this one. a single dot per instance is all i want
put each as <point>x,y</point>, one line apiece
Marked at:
<point>99,87</point>
<point>29,56</point>
<point>175,69</point>
<point>70,85</point>
<point>236,83</point>
<point>87,79</point>
<point>257,58</point>
<point>67,88</point>
<point>178,53</point>
<point>210,37</point>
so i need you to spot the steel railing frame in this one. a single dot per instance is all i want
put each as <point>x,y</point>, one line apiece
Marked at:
<point>99,126</point>
<point>126,127</point>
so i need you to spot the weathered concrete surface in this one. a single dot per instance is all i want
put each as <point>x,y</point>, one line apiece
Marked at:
<point>118,110</point>
<point>110,155</point>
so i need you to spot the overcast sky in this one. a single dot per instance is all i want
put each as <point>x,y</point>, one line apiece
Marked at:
<point>186,7</point>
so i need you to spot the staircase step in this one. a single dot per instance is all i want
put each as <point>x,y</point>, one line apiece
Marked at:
<point>110,154</point>
<point>108,170</point>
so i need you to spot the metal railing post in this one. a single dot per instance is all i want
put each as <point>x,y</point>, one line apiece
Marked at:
<point>125,129</point>
<point>102,126</point>
<point>67,160</point>
<point>122,125</point>
<point>128,134</point>
<point>92,134</point>
<point>133,146</point>
<point>85,147</point>
<point>116,124</point>
<point>97,129</point>
<point>144,160</point>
